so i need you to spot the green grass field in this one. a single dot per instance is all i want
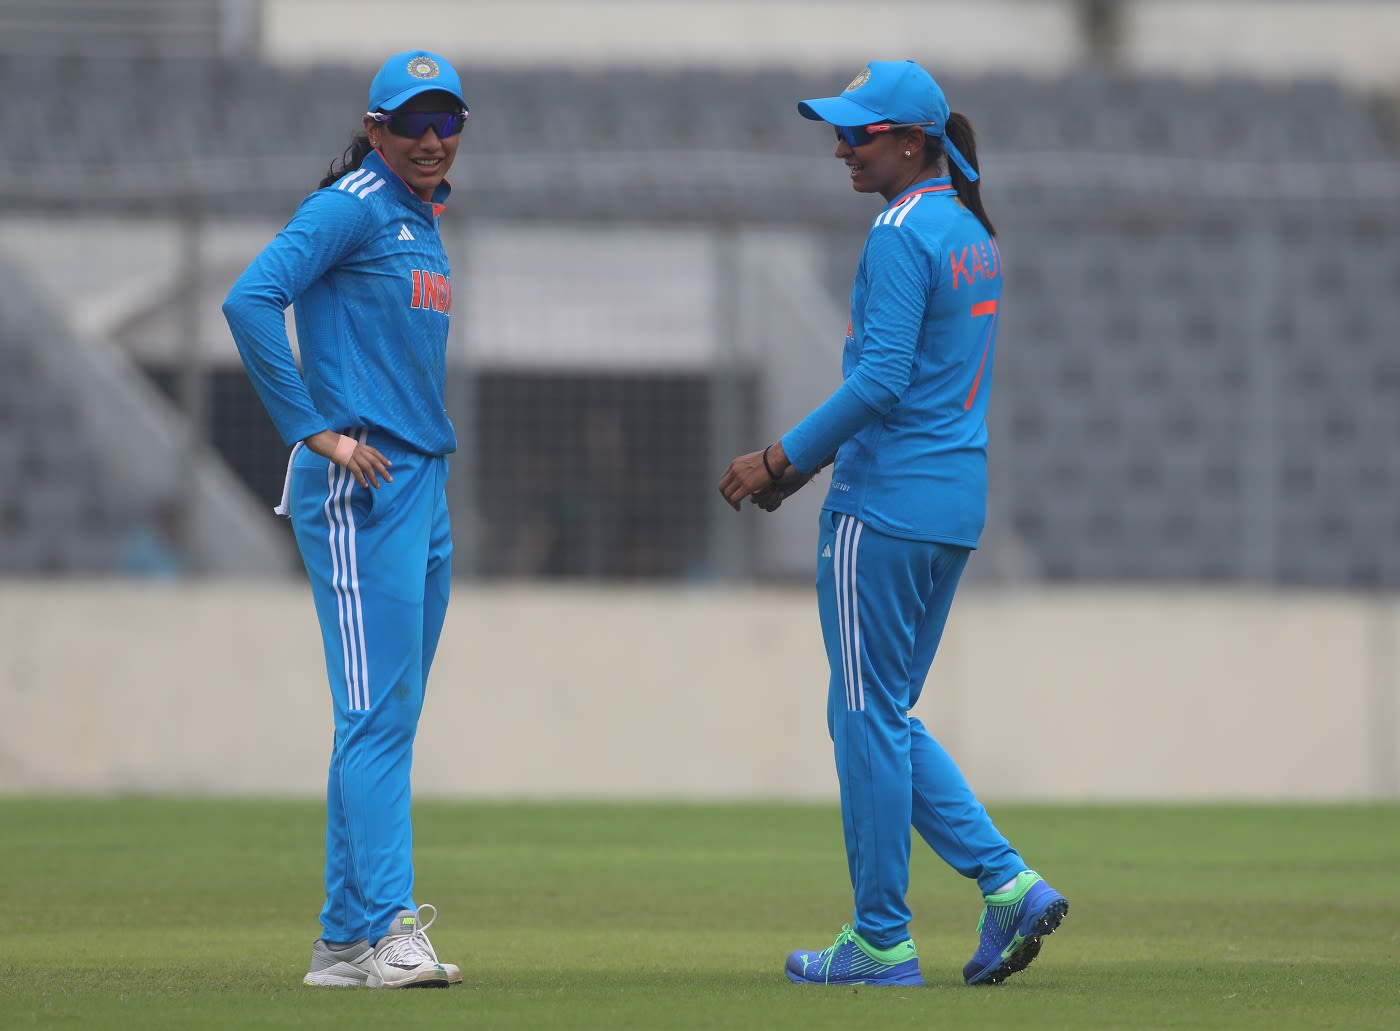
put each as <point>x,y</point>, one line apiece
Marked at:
<point>154,913</point>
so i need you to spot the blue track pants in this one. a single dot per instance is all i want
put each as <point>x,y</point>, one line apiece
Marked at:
<point>379,562</point>
<point>883,602</point>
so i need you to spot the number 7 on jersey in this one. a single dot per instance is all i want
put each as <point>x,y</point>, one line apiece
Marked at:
<point>979,310</point>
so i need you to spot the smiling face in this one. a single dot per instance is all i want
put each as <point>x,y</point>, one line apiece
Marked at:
<point>880,165</point>
<point>421,162</point>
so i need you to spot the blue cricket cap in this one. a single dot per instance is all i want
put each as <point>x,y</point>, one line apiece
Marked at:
<point>406,75</point>
<point>895,93</point>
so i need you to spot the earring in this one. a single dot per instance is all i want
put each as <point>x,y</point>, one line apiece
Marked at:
<point>908,154</point>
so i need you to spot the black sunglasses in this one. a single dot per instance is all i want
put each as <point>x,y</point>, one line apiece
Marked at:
<point>860,135</point>
<point>413,124</point>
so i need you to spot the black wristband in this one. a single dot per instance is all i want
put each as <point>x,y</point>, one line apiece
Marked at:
<point>768,468</point>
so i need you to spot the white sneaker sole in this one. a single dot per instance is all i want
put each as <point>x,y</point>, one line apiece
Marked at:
<point>330,979</point>
<point>422,977</point>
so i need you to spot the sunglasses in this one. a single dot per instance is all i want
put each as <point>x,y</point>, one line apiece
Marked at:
<point>860,135</point>
<point>413,124</point>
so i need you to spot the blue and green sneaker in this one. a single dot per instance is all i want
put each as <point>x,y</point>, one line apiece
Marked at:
<point>853,960</point>
<point>1012,925</point>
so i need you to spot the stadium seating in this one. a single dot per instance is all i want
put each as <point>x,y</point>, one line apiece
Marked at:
<point>175,124</point>
<point>51,516</point>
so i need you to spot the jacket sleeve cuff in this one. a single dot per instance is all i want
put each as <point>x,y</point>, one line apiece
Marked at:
<point>838,419</point>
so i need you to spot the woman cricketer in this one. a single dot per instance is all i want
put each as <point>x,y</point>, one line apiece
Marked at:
<point>908,436</point>
<point>365,267</point>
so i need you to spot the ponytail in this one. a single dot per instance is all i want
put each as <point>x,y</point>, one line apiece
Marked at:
<point>350,160</point>
<point>969,191</point>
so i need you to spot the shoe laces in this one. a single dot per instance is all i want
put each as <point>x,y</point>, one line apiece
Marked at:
<point>846,936</point>
<point>414,948</point>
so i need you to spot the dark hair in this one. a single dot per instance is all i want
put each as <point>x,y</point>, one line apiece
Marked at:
<point>350,160</point>
<point>965,139</point>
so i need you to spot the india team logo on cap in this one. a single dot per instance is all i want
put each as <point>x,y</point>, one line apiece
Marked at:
<point>423,67</point>
<point>860,80</point>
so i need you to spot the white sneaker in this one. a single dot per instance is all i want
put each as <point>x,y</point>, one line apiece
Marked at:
<point>346,966</point>
<point>404,958</point>
<point>354,965</point>
<point>454,973</point>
